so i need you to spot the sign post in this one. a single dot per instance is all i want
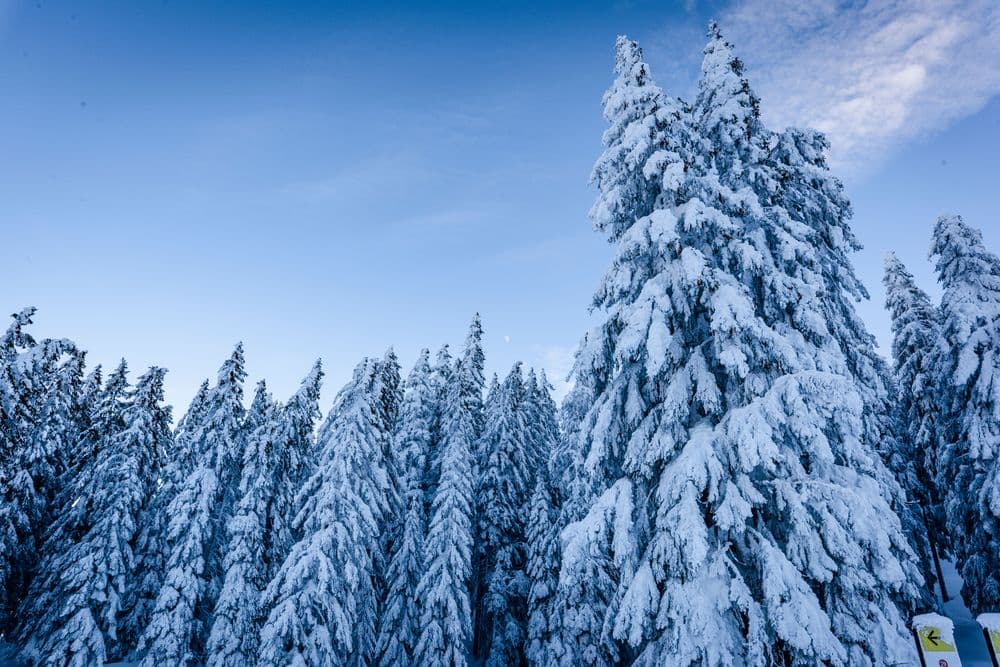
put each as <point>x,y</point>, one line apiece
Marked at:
<point>990,623</point>
<point>935,638</point>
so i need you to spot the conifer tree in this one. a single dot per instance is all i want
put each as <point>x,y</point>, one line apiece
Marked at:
<point>74,607</point>
<point>153,546</point>
<point>444,588</point>
<point>441,373</point>
<point>398,622</point>
<point>503,495</point>
<point>198,515</point>
<point>29,463</point>
<point>232,638</point>
<point>969,427</point>
<point>725,424</point>
<point>916,329</point>
<point>322,601</point>
<point>543,576</point>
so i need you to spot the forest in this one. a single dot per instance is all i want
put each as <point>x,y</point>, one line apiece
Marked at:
<point>737,476</point>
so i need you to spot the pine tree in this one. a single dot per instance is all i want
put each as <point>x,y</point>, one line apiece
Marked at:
<point>444,588</point>
<point>74,607</point>
<point>152,549</point>
<point>916,329</point>
<point>296,435</point>
<point>322,601</point>
<point>441,375</point>
<point>232,638</point>
<point>969,427</point>
<point>398,622</point>
<point>742,519</point>
<point>543,576</point>
<point>502,498</point>
<point>30,461</point>
<point>198,515</point>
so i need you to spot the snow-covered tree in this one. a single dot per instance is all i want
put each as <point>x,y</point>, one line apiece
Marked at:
<point>296,430</point>
<point>30,464</point>
<point>232,639</point>
<point>260,530</point>
<point>541,418</point>
<point>198,515</point>
<point>322,601</point>
<point>72,614</point>
<point>444,588</point>
<point>152,549</point>
<point>398,623</point>
<point>441,373</point>
<point>543,576</point>
<point>501,613</point>
<point>742,519</point>
<point>968,376</point>
<point>916,328</point>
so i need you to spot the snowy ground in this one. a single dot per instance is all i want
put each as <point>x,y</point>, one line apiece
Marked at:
<point>968,635</point>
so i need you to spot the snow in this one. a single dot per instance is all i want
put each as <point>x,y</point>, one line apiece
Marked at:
<point>989,621</point>
<point>968,634</point>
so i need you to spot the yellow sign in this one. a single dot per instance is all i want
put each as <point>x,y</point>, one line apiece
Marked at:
<point>931,642</point>
<point>995,639</point>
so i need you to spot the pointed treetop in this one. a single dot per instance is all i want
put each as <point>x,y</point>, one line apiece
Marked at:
<point>628,62</point>
<point>149,387</point>
<point>232,370</point>
<point>443,360</point>
<point>727,109</point>
<point>118,379</point>
<point>960,250</point>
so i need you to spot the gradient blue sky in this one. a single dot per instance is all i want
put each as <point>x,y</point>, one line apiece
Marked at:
<point>327,179</point>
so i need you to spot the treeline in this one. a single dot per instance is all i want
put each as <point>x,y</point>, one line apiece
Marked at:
<point>736,478</point>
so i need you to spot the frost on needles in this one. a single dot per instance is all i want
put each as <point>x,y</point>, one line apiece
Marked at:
<point>736,477</point>
<point>742,512</point>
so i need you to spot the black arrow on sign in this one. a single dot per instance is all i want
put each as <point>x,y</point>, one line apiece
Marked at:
<point>932,636</point>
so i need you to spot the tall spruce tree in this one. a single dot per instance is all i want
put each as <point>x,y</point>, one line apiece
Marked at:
<point>322,601</point>
<point>543,528</point>
<point>743,520</point>
<point>75,605</point>
<point>152,549</point>
<point>398,623</point>
<point>503,494</point>
<point>441,373</point>
<point>232,639</point>
<point>969,428</point>
<point>916,329</point>
<point>196,536</point>
<point>30,465</point>
<point>444,589</point>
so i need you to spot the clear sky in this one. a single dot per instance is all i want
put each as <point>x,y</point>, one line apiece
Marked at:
<point>325,179</point>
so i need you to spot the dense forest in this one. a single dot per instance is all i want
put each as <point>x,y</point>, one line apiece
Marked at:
<point>737,476</point>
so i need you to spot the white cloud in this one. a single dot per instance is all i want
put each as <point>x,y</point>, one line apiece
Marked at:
<point>869,74</point>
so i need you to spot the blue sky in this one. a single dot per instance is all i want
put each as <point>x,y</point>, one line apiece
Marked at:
<point>326,179</point>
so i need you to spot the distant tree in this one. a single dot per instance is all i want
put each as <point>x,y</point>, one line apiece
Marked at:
<point>398,623</point>
<point>73,611</point>
<point>322,602</point>
<point>444,589</point>
<point>543,576</point>
<point>198,515</point>
<point>503,497</point>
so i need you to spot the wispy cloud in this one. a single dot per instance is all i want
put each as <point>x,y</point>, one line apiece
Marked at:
<point>869,74</point>
<point>557,360</point>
